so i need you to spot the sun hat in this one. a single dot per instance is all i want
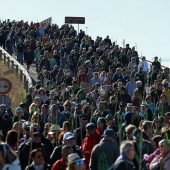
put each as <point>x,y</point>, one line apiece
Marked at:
<point>74,157</point>
<point>54,129</point>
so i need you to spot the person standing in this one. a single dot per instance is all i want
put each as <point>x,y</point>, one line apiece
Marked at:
<point>127,153</point>
<point>106,145</point>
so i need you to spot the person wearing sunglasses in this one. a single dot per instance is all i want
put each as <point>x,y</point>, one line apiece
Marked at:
<point>75,162</point>
<point>38,162</point>
<point>8,158</point>
<point>35,141</point>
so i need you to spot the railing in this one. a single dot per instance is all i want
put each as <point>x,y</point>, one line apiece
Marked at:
<point>16,66</point>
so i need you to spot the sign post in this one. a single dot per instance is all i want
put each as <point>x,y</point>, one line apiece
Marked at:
<point>75,20</point>
<point>5,86</point>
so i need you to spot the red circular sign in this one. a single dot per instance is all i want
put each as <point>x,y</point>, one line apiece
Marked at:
<point>5,86</point>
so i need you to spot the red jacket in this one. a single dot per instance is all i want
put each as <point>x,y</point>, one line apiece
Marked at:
<point>59,165</point>
<point>87,146</point>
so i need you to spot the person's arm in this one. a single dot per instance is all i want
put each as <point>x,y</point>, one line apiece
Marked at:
<point>93,160</point>
<point>155,164</point>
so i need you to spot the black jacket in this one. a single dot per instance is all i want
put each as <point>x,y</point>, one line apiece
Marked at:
<point>31,167</point>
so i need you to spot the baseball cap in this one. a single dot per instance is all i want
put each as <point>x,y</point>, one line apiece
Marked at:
<point>90,125</point>
<point>68,135</point>
<point>108,133</point>
<point>109,117</point>
<point>18,109</point>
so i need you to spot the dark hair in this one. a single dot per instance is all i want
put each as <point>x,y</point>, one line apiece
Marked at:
<point>34,151</point>
<point>11,138</point>
<point>157,139</point>
<point>103,121</point>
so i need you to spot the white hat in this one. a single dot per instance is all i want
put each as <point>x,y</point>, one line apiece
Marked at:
<point>68,135</point>
<point>129,105</point>
<point>74,157</point>
<point>54,129</point>
<point>144,103</point>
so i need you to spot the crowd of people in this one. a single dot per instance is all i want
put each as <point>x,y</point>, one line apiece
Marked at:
<point>95,106</point>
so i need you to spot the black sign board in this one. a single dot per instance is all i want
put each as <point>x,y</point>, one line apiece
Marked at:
<point>75,20</point>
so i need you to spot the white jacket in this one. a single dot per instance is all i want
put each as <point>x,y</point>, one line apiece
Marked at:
<point>14,166</point>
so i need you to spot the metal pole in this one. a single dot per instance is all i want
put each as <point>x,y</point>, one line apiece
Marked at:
<point>78,28</point>
<point>0,54</point>
<point>8,61</point>
<point>12,65</point>
<point>4,58</point>
<point>16,69</point>
<point>21,75</point>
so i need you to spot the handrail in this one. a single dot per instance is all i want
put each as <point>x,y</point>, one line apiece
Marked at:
<point>20,67</point>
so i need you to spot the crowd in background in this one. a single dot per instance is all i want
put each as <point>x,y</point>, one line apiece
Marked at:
<point>95,106</point>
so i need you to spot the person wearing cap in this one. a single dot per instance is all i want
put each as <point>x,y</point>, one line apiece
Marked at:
<point>54,132</point>
<point>19,117</point>
<point>42,94</point>
<point>145,112</point>
<point>89,142</point>
<point>109,120</point>
<point>106,145</point>
<point>128,119</point>
<point>125,160</point>
<point>61,164</point>
<point>35,143</point>
<point>68,139</point>
<point>75,162</point>
<point>26,131</point>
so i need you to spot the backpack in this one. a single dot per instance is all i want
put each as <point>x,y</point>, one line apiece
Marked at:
<point>102,163</point>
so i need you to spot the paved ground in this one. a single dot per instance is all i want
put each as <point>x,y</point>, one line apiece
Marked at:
<point>32,70</point>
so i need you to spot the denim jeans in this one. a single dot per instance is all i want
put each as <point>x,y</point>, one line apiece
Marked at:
<point>21,57</point>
